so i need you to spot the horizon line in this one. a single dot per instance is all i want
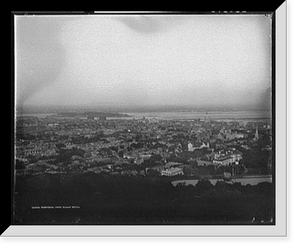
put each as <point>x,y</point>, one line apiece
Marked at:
<point>161,108</point>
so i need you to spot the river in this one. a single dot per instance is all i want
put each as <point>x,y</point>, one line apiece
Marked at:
<point>214,115</point>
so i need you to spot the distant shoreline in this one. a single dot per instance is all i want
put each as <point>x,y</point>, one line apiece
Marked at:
<point>163,115</point>
<point>214,116</point>
<point>135,109</point>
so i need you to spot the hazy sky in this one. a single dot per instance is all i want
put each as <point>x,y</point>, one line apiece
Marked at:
<point>136,60</point>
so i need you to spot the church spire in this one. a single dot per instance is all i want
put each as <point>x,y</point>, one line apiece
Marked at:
<point>256,134</point>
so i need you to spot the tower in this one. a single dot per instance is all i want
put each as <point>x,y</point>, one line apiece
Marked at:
<point>256,137</point>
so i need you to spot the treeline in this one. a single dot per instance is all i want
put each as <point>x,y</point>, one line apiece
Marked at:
<point>137,200</point>
<point>257,159</point>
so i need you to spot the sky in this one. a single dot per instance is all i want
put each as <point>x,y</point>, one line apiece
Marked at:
<point>143,60</point>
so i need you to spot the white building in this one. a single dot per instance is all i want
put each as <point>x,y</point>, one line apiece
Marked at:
<point>190,147</point>
<point>172,172</point>
<point>204,145</point>
<point>236,156</point>
<point>228,159</point>
<point>223,160</point>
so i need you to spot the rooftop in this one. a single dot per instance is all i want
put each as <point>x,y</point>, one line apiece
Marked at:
<point>223,158</point>
<point>173,170</point>
<point>171,164</point>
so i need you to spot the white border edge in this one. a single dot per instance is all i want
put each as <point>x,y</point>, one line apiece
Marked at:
<point>279,230</point>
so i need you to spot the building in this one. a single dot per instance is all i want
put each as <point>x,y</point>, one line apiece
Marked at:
<point>237,156</point>
<point>228,158</point>
<point>224,161</point>
<point>190,147</point>
<point>172,172</point>
<point>96,117</point>
<point>234,136</point>
<point>204,145</point>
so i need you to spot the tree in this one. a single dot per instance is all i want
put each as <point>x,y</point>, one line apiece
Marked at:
<point>211,169</point>
<point>174,158</point>
<point>156,157</point>
<point>255,158</point>
<point>148,163</point>
<point>20,164</point>
<point>204,185</point>
<point>113,148</point>
<point>197,153</point>
<point>184,145</point>
<point>121,153</point>
<point>152,172</point>
<point>158,145</point>
<point>202,170</point>
<point>60,145</point>
<point>193,163</point>
<point>32,159</point>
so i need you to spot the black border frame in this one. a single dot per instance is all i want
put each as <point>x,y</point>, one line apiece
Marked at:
<point>271,10</point>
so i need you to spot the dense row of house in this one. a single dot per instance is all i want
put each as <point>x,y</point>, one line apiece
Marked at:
<point>114,143</point>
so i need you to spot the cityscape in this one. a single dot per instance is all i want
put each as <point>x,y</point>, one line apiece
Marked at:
<point>163,119</point>
<point>92,142</point>
<point>119,148</point>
